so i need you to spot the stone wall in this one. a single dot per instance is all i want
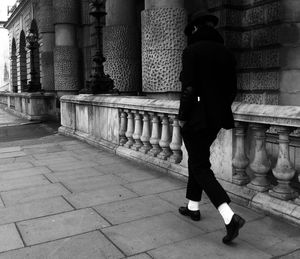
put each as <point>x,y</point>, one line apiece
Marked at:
<point>264,35</point>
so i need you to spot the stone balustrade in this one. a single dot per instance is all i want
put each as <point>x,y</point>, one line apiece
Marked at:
<point>158,135</point>
<point>257,161</point>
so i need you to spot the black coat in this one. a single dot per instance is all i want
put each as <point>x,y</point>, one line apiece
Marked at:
<point>208,73</point>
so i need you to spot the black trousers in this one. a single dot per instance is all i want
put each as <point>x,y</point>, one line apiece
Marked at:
<point>201,177</point>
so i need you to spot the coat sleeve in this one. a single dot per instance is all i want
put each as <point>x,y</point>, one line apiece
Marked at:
<point>187,86</point>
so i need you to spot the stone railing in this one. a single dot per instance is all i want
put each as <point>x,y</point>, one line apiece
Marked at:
<point>260,121</point>
<point>32,106</point>
<point>147,130</point>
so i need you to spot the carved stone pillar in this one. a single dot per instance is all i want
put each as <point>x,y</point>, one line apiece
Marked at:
<point>165,140</point>
<point>123,127</point>
<point>46,28</point>
<point>137,132</point>
<point>240,160</point>
<point>260,164</point>
<point>130,129</point>
<point>121,45</point>
<point>283,171</point>
<point>66,52</point>
<point>155,136</point>
<point>163,41</point>
<point>176,142</point>
<point>145,138</point>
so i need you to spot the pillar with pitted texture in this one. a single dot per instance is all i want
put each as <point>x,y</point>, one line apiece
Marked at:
<point>48,38</point>
<point>163,41</point>
<point>66,52</point>
<point>121,45</point>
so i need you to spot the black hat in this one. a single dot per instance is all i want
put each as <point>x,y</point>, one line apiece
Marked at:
<point>199,18</point>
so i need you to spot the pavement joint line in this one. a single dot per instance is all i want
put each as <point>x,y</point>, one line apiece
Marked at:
<point>107,237</point>
<point>63,185</point>
<point>61,238</point>
<point>47,178</point>
<point>68,202</point>
<point>101,216</point>
<point>39,217</point>
<point>139,195</point>
<point>288,253</point>
<point>147,253</point>
<point>19,232</point>
<point>2,200</point>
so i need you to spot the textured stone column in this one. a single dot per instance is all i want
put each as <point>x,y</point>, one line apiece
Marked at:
<point>46,28</point>
<point>123,127</point>
<point>121,45</point>
<point>163,40</point>
<point>66,52</point>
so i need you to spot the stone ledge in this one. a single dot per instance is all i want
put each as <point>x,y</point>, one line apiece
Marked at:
<point>287,210</point>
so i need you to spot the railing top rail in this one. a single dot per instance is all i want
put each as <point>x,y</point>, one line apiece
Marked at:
<point>254,113</point>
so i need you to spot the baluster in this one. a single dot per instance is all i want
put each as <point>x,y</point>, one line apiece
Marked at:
<point>240,160</point>
<point>145,138</point>
<point>165,139</point>
<point>155,136</point>
<point>123,128</point>
<point>130,129</point>
<point>283,171</point>
<point>260,164</point>
<point>176,142</point>
<point>137,132</point>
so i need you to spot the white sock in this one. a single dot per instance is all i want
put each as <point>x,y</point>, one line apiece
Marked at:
<point>193,205</point>
<point>226,212</point>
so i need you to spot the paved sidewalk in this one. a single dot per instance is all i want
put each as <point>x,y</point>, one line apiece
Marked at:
<point>61,198</point>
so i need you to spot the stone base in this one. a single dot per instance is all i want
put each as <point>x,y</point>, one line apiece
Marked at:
<point>284,196</point>
<point>240,180</point>
<point>258,188</point>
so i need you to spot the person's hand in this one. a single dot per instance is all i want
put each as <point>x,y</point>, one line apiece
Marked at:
<point>181,123</point>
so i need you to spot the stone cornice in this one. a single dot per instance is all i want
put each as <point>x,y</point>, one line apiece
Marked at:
<point>16,12</point>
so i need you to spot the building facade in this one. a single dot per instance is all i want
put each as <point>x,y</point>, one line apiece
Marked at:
<point>143,41</point>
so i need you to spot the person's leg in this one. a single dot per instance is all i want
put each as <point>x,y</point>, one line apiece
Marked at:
<point>198,148</point>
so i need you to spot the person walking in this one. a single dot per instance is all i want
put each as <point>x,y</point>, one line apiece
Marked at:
<point>209,87</point>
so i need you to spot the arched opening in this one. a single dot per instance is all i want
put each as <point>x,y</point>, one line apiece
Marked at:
<point>23,66</point>
<point>14,67</point>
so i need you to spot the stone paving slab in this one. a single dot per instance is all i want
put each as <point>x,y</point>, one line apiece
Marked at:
<point>10,149</point>
<point>12,154</point>
<point>139,256</point>
<point>148,233</point>
<point>22,182</point>
<point>62,225</point>
<point>14,166</point>
<point>40,150</point>
<point>24,173</point>
<point>54,161</point>
<point>71,166</point>
<point>91,183</point>
<point>9,238</point>
<point>28,194</point>
<point>133,209</point>
<point>154,186</point>
<point>208,246</point>
<point>293,255</point>
<point>55,155</point>
<point>97,197</point>
<point>33,209</point>
<point>70,175</point>
<point>92,245</point>
<point>272,236</point>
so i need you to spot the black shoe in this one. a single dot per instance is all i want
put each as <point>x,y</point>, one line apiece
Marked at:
<point>233,228</point>
<point>195,215</point>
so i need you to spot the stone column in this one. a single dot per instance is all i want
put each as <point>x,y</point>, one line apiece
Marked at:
<point>122,45</point>
<point>66,52</point>
<point>163,40</point>
<point>46,28</point>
